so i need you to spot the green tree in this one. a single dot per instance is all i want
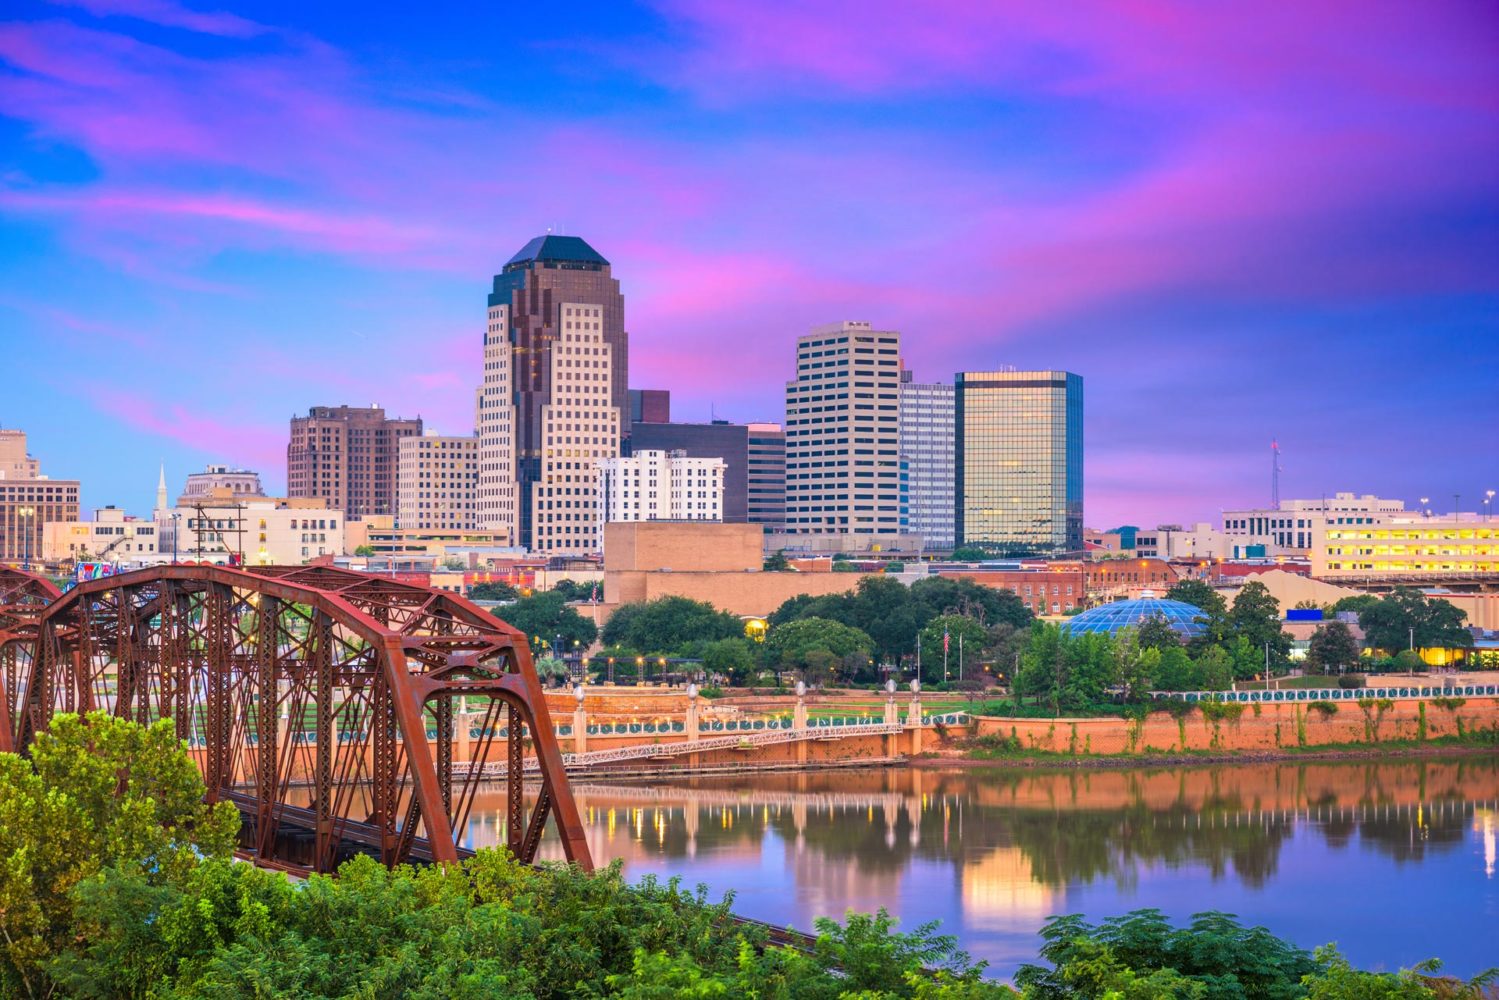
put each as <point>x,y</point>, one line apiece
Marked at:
<point>579,590</point>
<point>667,625</point>
<point>546,616</point>
<point>1255,616</point>
<point>816,643</point>
<point>731,658</point>
<point>1436,624</point>
<point>96,793</point>
<point>496,590</point>
<point>1198,594</point>
<point>960,630</point>
<point>1357,603</point>
<point>1155,632</point>
<point>969,553</point>
<point>364,551</point>
<point>1333,649</point>
<point>776,562</point>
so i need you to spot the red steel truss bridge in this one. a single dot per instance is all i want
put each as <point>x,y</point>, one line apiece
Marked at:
<point>321,702</point>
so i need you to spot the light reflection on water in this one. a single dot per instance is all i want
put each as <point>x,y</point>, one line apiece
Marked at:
<point>1395,860</point>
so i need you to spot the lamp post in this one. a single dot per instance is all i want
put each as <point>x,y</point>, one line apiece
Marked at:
<point>1488,503</point>
<point>26,514</point>
<point>176,519</point>
<point>1425,511</point>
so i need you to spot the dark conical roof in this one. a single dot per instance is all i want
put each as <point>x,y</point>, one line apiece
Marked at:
<point>571,249</point>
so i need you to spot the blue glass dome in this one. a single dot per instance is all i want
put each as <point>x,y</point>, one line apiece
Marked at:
<point>1187,620</point>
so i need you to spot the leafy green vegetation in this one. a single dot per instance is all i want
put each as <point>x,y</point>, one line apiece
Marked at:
<point>118,882</point>
<point>1393,622</point>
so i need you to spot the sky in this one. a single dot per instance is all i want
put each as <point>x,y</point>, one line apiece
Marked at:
<point>1239,222</point>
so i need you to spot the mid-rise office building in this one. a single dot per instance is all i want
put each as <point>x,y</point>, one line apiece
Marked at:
<point>843,432</point>
<point>1019,443</point>
<point>719,439</point>
<point>1404,546</point>
<point>346,456</point>
<point>260,531</point>
<point>1287,530</point>
<point>655,485</point>
<point>927,455</point>
<point>437,483</point>
<point>29,500</point>
<point>553,402</point>
<point>765,481</point>
<point>650,406</point>
<point>112,536</point>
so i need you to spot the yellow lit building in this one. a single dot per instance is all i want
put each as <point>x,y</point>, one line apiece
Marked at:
<point>1411,546</point>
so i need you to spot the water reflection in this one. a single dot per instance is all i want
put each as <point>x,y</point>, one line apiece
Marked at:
<point>993,853</point>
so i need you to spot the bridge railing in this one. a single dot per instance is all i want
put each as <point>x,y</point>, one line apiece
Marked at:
<point>1394,692</point>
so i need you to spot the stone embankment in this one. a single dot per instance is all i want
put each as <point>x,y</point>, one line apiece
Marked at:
<point>1253,727</point>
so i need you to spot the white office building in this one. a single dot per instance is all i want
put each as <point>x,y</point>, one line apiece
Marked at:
<point>660,486</point>
<point>843,432</point>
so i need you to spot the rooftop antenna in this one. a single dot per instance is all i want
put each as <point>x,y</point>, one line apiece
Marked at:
<point>1274,475</point>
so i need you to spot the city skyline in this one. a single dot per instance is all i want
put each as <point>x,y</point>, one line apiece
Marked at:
<point>215,223</point>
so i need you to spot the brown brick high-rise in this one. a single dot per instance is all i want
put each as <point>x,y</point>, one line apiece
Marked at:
<point>347,456</point>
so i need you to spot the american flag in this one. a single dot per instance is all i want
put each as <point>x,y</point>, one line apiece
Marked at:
<point>945,639</point>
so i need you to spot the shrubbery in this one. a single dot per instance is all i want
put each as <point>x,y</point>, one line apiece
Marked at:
<point>118,882</point>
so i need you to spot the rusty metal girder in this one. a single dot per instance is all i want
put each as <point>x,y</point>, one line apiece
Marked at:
<point>324,703</point>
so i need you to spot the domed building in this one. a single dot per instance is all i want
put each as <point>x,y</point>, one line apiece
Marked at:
<point>1187,620</point>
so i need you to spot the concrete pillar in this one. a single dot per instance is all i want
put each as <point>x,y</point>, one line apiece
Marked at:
<point>693,727</point>
<point>580,721</point>
<point>892,717</point>
<point>913,718</point>
<point>799,721</point>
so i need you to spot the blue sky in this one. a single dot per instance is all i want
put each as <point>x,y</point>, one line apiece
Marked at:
<point>1236,224</point>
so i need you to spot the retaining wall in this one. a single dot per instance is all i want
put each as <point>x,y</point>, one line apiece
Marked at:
<point>1255,727</point>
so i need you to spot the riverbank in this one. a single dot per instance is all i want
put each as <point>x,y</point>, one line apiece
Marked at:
<point>959,756</point>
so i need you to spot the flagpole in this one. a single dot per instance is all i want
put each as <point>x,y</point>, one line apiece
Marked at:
<point>960,656</point>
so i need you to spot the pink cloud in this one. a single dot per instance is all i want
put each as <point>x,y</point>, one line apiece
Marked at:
<point>259,445</point>
<point>172,15</point>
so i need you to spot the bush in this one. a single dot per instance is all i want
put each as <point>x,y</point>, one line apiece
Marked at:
<point>1326,709</point>
<point>1350,682</point>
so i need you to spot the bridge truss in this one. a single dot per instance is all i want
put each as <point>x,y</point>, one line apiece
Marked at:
<point>321,702</point>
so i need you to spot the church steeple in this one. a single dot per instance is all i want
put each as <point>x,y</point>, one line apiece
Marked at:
<point>161,488</point>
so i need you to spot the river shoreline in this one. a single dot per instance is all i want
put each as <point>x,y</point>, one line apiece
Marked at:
<point>939,761</point>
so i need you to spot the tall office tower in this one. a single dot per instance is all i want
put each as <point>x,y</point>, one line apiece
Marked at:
<point>653,485</point>
<point>554,401</point>
<point>720,439</point>
<point>843,432</point>
<point>346,456</point>
<point>765,483</point>
<point>926,456</point>
<point>29,500</point>
<point>650,406</point>
<point>437,483</point>
<point>1019,462</point>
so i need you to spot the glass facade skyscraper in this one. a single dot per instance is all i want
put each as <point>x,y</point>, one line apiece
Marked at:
<point>926,456</point>
<point>1019,441</point>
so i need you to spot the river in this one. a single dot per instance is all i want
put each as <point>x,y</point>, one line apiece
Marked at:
<point>1394,860</point>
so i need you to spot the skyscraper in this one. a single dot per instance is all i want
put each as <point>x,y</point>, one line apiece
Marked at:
<point>843,432</point>
<point>926,456</point>
<point>1019,441</point>
<point>346,456</point>
<point>766,480</point>
<point>553,402</point>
